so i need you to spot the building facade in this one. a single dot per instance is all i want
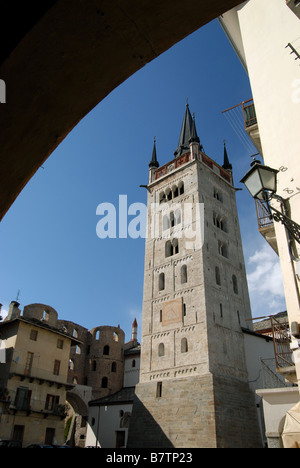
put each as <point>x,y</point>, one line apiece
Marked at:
<point>110,416</point>
<point>34,377</point>
<point>50,370</point>
<point>193,389</point>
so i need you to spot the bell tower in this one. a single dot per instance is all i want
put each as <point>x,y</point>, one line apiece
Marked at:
<point>193,389</point>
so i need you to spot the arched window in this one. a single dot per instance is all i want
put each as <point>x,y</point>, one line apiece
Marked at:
<point>181,188</point>
<point>77,350</point>
<point>171,248</point>
<point>104,382</point>
<point>162,197</point>
<point>168,249</point>
<point>235,284</point>
<point>175,246</point>
<point>161,350</point>
<point>114,367</point>
<point>172,219</point>
<point>166,222</point>
<point>184,345</point>
<point>106,350</point>
<point>97,336</point>
<point>183,274</point>
<point>177,215</point>
<point>169,194</point>
<point>161,282</point>
<point>94,366</point>
<point>115,337</point>
<point>218,195</point>
<point>218,276</point>
<point>133,363</point>
<point>223,250</point>
<point>45,316</point>
<point>220,222</point>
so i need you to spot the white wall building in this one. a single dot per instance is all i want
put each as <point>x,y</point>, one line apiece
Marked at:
<point>262,33</point>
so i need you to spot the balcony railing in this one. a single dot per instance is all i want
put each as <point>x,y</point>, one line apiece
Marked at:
<point>249,113</point>
<point>263,216</point>
<point>12,401</point>
<point>282,340</point>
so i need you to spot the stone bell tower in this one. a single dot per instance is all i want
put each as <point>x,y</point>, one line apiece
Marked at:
<point>193,389</point>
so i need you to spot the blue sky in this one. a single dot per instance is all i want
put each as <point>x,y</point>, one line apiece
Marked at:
<point>49,249</point>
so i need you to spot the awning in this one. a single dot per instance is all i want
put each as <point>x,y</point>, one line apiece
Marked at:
<point>291,431</point>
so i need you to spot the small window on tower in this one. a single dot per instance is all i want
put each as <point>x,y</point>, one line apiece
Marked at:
<point>159,390</point>
<point>218,276</point>
<point>223,249</point>
<point>183,274</point>
<point>218,194</point>
<point>161,350</point>
<point>235,284</point>
<point>161,282</point>
<point>184,345</point>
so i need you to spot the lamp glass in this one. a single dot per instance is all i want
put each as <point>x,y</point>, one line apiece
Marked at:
<point>268,178</point>
<point>253,183</point>
<point>260,179</point>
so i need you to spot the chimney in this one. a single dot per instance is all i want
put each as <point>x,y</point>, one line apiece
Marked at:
<point>14,311</point>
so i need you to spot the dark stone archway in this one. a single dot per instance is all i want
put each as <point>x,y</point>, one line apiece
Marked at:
<point>63,57</point>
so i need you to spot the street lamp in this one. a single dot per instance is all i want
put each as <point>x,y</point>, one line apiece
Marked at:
<point>261,181</point>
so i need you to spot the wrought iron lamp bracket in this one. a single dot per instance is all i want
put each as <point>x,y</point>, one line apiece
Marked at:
<point>292,227</point>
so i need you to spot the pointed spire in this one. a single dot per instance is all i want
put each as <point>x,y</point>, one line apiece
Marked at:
<point>227,166</point>
<point>134,330</point>
<point>188,133</point>
<point>154,162</point>
<point>194,137</point>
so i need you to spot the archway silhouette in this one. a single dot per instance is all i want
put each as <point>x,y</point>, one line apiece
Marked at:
<point>65,57</point>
